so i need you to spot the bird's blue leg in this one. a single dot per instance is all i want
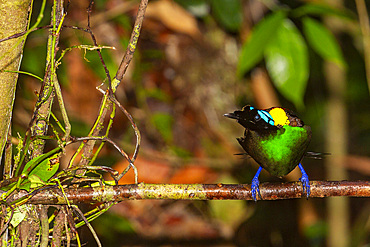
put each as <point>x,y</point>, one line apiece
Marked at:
<point>304,180</point>
<point>255,186</point>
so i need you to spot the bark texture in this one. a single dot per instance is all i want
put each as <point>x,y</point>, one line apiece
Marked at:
<point>13,19</point>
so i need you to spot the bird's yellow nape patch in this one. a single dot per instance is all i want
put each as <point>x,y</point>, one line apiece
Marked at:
<point>279,116</point>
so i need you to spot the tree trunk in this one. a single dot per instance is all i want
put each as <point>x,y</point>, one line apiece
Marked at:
<point>13,19</point>
<point>336,142</point>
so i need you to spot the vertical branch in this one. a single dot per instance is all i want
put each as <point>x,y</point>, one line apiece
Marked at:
<point>336,143</point>
<point>55,82</point>
<point>95,131</point>
<point>43,215</point>
<point>105,105</point>
<point>13,19</point>
<point>109,96</point>
<point>123,67</point>
<point>39,122</point>
<point>365,29</point>
<point>63,110</point>
<point>58,228</point>
<point>8,157</point>
<point>45,100</point>
<point>131,46</point>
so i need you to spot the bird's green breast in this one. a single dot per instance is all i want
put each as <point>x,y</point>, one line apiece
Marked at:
<point>280,151</point>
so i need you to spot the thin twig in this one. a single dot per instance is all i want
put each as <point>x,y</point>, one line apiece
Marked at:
<point>123,153</point>
<point>132,45</point>
<point>81,215</point>
<point>123,67</point>
<point>95,131</point>
<point>17,35</point>
<point>89,10</point>
<point>118,10</point>
<point>134,126</point>
<point>8,157</point>
<point>6,225</point>
<point>105,105</point>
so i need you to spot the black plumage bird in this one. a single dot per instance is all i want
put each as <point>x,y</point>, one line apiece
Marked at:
<point>276,139</point>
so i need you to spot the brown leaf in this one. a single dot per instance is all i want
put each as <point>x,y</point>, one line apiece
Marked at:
<point>173,17</point>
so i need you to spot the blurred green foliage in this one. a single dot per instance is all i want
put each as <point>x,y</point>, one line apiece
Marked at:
<point>228,13</point>
<point>163,123</point>
<point>323,42</point>
<point>263,33</point>
<point>285,50</point>
<point>287,62</point>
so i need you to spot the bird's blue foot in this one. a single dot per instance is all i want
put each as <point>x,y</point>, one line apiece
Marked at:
<point>255,186</point>
<point>305,181</point>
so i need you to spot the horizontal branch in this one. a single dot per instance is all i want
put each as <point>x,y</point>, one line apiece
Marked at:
<point>269,191</point>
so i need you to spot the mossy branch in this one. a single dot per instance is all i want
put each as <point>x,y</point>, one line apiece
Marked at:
<point>141,191</point>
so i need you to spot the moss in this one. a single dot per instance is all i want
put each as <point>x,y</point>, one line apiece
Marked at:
<point>172,191</point>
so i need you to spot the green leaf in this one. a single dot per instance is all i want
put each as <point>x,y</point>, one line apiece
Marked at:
<point>263,33</point>
<point>323,41</point>
<point>322,9</point>
<point>163,123</point>
<point>35,181</point>
<point>287,63</point>
<point>47,168</point>
<point>228,13</point>
<point>18,215</point>
<point>41,173</point>
<point>35,161</point>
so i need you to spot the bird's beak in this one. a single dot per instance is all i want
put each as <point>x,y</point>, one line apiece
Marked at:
<point>231,115</point>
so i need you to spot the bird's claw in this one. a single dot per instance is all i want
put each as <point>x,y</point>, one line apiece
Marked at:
<point>255,188</point>
<point>305,181</point>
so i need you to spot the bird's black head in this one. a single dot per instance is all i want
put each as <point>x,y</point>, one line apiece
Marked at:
<point>253,119</point>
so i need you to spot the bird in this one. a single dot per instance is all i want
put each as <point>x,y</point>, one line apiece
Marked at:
<point>277,139</point>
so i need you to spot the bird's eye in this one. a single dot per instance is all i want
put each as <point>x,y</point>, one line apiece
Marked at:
<point>257,117</point>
